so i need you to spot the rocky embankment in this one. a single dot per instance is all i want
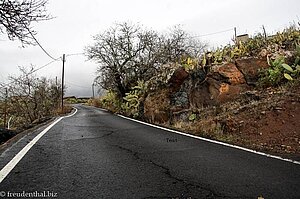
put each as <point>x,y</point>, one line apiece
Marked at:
<point>226,104</point>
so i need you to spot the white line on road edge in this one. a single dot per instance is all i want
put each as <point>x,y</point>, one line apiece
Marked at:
<point>213,141</point>
<point>7,169</point>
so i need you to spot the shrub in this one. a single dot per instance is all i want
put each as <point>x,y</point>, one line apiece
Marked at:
<point>30,98</point>
<point>111,102</point>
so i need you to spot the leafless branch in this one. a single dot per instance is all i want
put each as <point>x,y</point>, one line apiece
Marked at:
<point>16,18</point>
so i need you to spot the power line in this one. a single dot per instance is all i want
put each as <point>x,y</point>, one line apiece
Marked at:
<point>77,85</point>
<point>41,46</point>
<point>44,65</point>
<point>38,43</point>
<point>31,72</point>
<point>214,33</point>
<point>3,85</point>
<point>68,55</point>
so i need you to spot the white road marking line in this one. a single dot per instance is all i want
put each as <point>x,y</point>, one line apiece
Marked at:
<point>71,115</point>
<point>9,166</point>
<point>213,141</point>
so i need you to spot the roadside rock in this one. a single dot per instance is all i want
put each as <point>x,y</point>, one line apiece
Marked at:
<point>176,80</point>
<point>223,83</point>
<point>180,99</point>
<point>230,72</point>
<point>199,89</point>
<point>250,68</point>
<point>221,92</point>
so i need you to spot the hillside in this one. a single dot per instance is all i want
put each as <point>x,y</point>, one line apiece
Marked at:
<point>246,94</point>
<point>261,119</point>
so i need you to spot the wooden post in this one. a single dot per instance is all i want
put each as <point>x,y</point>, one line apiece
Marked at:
<point>235,35</point>
<point>265,34</point>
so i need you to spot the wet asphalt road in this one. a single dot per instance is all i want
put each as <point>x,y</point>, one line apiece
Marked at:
<point>95,154</point>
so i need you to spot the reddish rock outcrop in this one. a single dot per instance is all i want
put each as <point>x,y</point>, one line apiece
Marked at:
<point>230,72</point>
<point>221,92</point>
<point>177,79</point>
<point>222,84</point>
<point>250,67</point>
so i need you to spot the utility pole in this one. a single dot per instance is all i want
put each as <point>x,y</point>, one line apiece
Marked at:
<point>62,83</point>
<point>5,107</point>
<point>93,86</point>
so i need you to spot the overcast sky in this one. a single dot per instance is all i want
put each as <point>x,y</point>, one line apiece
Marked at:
<point>77,21</point>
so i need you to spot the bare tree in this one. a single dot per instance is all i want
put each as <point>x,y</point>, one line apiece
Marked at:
<point>127,53</point>
<point>32,98</point>
<point>16,17</point>
<point>178,43</point>
<point>121,52</point>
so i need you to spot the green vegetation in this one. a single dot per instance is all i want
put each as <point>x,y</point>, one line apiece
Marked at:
<point>131,105</point>
<point>133,100</point>
<point>192,117</point>
<point>74,100</point>
<point>111,102</point>
<point>286,40</point>
<point>148,60</point>
<point>189,64</point>
<point>279,71</point>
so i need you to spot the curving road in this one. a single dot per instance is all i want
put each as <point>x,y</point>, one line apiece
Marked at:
<point>95,154</point>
